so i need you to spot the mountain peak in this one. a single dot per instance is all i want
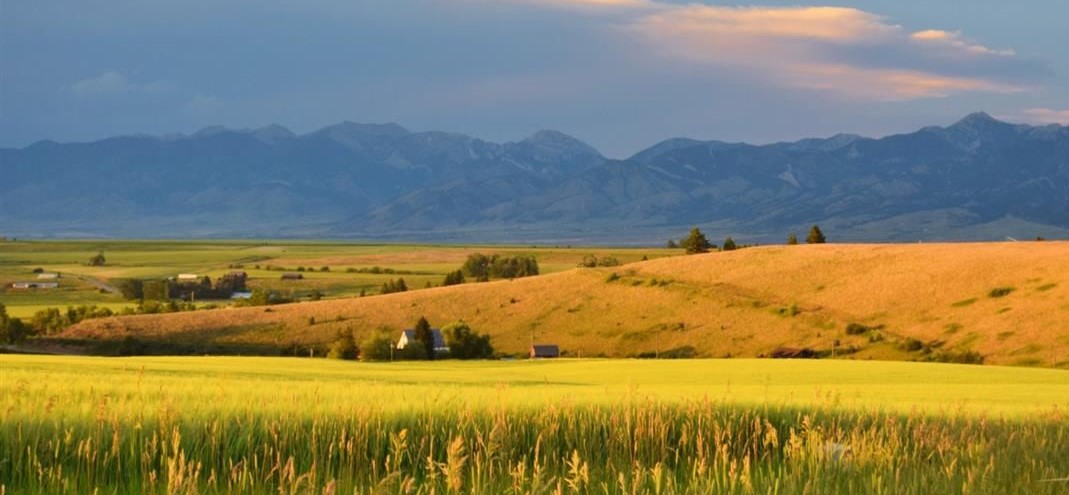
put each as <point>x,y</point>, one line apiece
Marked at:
<point>548,136</point>
<point>349,127</point>
<point>977,119</point>
<point>272,133</point>
<point>211,130</point>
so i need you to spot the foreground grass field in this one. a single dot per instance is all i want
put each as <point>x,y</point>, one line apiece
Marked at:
<point>279,425</point>
<point>1007,303</point>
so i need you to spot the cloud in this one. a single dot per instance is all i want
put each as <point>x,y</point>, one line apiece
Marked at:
<point>839,50</point>
<point>842,50</point>
<point>1046,115</point>
<point>116,82</point>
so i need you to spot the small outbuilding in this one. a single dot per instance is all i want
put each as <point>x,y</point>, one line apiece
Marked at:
<point>540,351</point>
<point>34,285</point>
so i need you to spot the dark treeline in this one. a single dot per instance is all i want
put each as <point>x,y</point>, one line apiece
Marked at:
<point>481,267</point>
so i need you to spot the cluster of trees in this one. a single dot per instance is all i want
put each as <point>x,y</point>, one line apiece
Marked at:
<point>815,236</point>
<point>166,289</point>
<point>463,343</point>
<point>696,242</point>
<point>482,268</point>
<point>97,259</point>
<point>453,278</point>
<point>591,261</point>
<point>12,330</point>
<point>391,286</point>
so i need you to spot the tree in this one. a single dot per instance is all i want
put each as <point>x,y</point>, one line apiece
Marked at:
<point>671,244</point>
<point>377,347</point>
<point>454,278</point>
<point>815,236</point>
<point>97,260</point>
<point>12,330</point>
<point>392,286</point>
<point>695,242</point>
<point>729,244</point>
<point>464,343</point>
<point>792,239</point>
<point>477,266</point>
<point>344,347</point>
<point>425,336</point>
<point>131,288</point>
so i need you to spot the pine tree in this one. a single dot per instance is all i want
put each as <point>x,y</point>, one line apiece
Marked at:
<point>424,335</point>
<point>815,236</point>
<point>792,239</point>
<point>695,242</point>
<point>729,244</point>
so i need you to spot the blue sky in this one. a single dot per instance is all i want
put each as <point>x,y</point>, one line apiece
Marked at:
<point>619,74</point>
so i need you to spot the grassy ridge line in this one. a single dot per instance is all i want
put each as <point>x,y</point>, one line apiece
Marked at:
<point>741,303</point>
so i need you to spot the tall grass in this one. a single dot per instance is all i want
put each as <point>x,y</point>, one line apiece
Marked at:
<point>641,447</point>
<point>186,428</point>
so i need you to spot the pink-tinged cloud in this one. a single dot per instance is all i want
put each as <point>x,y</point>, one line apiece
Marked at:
<point>845,51</point>
<point>1046,115</point>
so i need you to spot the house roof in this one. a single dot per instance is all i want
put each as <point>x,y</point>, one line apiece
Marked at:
<point>545,349</point>
<point>439,339</point>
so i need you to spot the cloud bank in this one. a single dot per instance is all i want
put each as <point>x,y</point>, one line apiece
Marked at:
<point>845,51</point>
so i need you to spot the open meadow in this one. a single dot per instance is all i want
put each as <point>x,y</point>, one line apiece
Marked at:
<point>285,425</point>
<point>351,268</point>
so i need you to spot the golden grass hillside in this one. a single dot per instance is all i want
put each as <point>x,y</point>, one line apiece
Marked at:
<point>920,301</point>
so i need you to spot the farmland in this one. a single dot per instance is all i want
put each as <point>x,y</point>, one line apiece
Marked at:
<point>349,266</point>
<point>285,425</point>
<point>1004,303</point>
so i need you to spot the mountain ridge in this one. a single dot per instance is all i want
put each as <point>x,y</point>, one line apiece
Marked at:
<point>977,178</point>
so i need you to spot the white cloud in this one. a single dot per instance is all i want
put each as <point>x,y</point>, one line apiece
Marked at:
<point>116,82</point>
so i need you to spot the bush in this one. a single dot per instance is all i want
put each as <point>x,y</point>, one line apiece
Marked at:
<point>612,277</point>
<point>465,343</point>
<point>857,328</point>
<point>1000,292</point>
<point>377,347</point>
<point>344,347</point>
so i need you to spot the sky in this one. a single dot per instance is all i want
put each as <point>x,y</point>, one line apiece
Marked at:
<point>618,74</point>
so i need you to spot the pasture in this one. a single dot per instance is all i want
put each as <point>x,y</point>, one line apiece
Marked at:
<point>264,261</point>
<point>285,425</point>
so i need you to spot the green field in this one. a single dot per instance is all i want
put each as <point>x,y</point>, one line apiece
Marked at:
<point>287,425</point>
<point>418,264</point>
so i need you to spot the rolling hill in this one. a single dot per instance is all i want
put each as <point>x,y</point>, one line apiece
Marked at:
<point>1006,302</point>
<point>977,179</point>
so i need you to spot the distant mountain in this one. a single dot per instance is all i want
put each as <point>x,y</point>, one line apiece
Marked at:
<point>979,178</point>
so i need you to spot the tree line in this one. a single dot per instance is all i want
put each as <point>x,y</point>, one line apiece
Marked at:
<point>463,343</point>
<point>696,242</point>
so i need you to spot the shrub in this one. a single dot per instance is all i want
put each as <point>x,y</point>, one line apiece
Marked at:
<point>377,347</point>
<point>612,277</point>
<point>1000,292</point>
<point>344,347</point>
<point>465,343</point>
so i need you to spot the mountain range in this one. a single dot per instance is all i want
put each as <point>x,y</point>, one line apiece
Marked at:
<point>979,178</point>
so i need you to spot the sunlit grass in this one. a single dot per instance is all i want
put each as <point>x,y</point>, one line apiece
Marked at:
<point>274,425</point>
